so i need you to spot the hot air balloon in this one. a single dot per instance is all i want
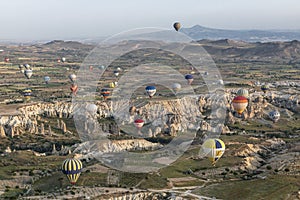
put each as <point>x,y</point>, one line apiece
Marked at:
<point>274,115</point>
<point>72,77</point>
<point>116,73</point>
<point>264,88</point>
<point>46,79</point>
<point>63,59</point>
<point>28,73</point>
<point>189,78</point>
<point>176,87</point>
<point>74,89</point>
<point>20,67</point>
<point>243,92</point>
<point>6,59</point>
<point>139,123</point>
<point>27,93</point>
<point>92,108</point>
<point>220,82</point>
<point>151,90</point>
<point>239,104</point>
<point>72,167</point>
<point>205,73</point>
<point>91,68</point>
<point>105,93</point>
<point>177,26</point>
<point>213,148</point>
<point>112,85</point>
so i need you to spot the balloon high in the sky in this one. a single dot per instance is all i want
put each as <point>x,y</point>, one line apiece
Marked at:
<point>72,169</point>
<point>240,103</point>
<point>213,149</point>
<point>28,73</point>
<point>177,26</point>
<point>189,78</point>
<point>151,90</point>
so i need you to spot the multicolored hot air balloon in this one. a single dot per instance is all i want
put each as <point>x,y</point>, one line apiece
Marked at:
<point>213,148</point>
<point>240,103</point>
<point>74,89</point>
<point>274,115</point>
<point>151,90</point>
<point>72,168</point>
<point>264,88</point>
<point>176,87</point>
<point>28,73</point>
<point>243,92</point>
<point>189,78</point>
<point>46,79</point>
<point>105,93</point>
<point>72,77</point>
<point>177,26</point>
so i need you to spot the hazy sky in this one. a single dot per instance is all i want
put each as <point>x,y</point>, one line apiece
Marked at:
<point>67,19</point>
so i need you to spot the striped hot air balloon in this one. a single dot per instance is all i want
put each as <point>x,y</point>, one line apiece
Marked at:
<point>243,92</point>
<point>213,148</point>
<point>72,168</point>
<point>105,93</point>
<point>264,88</point>
<point>240,103</point>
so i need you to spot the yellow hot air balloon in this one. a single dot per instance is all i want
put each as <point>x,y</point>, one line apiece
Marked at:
<point>72,168</point>
<point>112,85</point>
<point>213,148</point>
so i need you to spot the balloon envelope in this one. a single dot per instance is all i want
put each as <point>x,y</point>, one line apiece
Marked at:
<point>176,87</point>
<point>138,123</point>
<point>213,149</point>
<point>189,78</point>
<point>242,92</point>
<point>72,77</point>
<point>72,169</point>
<point>274,115</point>
<point>151,90</point>
<point>177,26</point>
<point>28,73</point>
<point>240,103</point>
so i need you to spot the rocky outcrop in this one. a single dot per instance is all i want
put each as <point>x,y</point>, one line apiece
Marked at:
<point>134,196</point>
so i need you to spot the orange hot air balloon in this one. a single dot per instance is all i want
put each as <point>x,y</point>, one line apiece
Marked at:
<point>74,89</point>
<point>239,104</point>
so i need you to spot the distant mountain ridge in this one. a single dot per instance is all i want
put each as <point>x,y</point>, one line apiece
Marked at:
<point>198,32</point>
